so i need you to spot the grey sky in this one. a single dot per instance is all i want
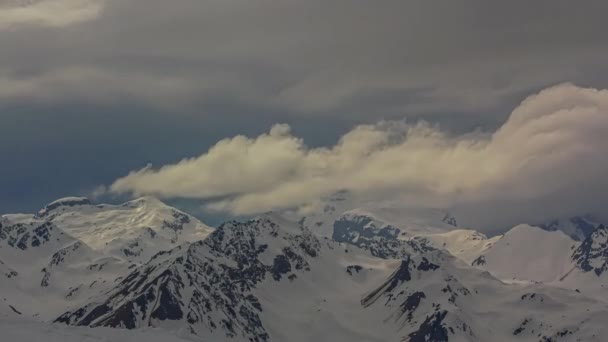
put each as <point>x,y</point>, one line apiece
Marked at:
<point>156,81</point>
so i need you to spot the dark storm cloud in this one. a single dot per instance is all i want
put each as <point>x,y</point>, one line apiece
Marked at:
<point>307,56</point>
<point>155,81</point>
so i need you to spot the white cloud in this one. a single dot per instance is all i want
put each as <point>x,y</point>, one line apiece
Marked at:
<point>50,13</point>
<point>552,144</point>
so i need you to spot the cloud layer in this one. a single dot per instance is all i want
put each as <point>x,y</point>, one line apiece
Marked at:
<point>15,14</point>
<point>124,82</point>
<point>551,150</point>
<point>341,58</point>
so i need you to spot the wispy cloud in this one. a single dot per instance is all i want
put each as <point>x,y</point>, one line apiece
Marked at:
<point>51,13</point>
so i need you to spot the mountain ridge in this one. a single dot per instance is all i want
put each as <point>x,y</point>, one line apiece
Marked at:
<point>273,278</point>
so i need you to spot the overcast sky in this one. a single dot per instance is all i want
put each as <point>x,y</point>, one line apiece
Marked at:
<point>248,106</point>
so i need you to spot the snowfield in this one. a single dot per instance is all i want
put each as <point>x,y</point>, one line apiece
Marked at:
<point>35,331</point>
<point>78,271</point>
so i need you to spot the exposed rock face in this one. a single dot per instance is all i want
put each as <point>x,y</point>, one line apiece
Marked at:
<point>592,253</point>
<point>208,285</point>
<point>424,315</point>
<point>28,235</point>
<point>381,240</point>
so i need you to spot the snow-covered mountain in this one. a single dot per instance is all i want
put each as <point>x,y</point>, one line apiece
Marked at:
<point>72,250</point>
<point>592,254</point>
<point>270,279</point>
<point>577,227</point>
<point>411,221</point>
<point>527,253</point>
<point>134,231</point>
<point>343,274</point>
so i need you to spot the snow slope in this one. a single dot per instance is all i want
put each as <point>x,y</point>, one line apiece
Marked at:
<point>577,227</point>
<point>272,280</point>
<point>72,250</point>
<point>41,263</point>
<point>20,331</point>
<point>135,230</point>
<point>144,270</point>
<point>529,253</point>
<point>464,244</point>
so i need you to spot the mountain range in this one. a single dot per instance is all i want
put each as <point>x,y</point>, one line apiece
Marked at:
<point>145,270</point>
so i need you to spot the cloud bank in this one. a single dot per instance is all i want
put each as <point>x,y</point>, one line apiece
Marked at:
<point>47,13</point>
<point>552,149</point>
<point>180,75</point>
<point>340,58</point>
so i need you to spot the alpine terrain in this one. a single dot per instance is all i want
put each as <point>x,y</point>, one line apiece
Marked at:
<point>143,270</point>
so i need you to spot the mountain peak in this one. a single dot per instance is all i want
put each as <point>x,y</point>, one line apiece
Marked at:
<point>134,230</point>
<point>64,202</point>
<point>206,288</point>
<point>146,201</point>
